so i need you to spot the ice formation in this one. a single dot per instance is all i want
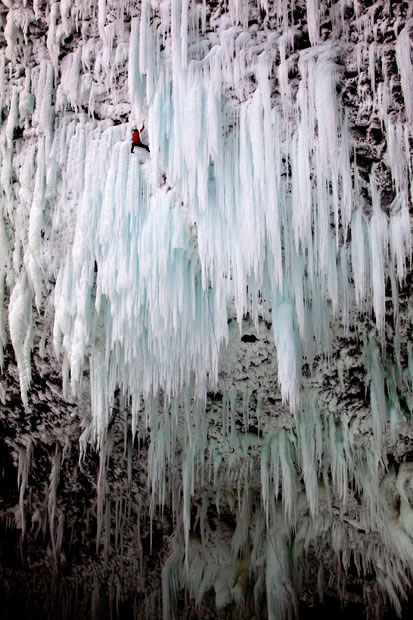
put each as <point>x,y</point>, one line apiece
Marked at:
<point>252,203</point>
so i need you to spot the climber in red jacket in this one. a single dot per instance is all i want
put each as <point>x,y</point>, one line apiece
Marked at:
<point>136,139</point>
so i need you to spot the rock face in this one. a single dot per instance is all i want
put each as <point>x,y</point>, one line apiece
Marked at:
<point>206,358</point>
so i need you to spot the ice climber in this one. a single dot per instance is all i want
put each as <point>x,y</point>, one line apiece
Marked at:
<point>136,139</point>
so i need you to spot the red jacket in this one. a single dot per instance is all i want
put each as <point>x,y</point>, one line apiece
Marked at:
<point>135,134</point>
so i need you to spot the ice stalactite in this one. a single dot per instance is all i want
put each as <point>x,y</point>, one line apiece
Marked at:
<point>25,455</point>
<point>281,596</point>
<point>56,533</point>
<point>405,65</point>
<point>377,396</point>
<point>136,81</point>
<point>21,331</point>
<point>311,450</point>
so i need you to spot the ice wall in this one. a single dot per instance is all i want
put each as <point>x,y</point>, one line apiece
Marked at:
<point>251,202</point>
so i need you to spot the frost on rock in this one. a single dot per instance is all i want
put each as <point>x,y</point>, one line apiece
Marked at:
<point>219,330</point>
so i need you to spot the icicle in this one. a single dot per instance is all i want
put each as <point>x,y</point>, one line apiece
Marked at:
<point>344,288</point>
<point>69,80</point>
<point>184,32</point>
<point>281,597</point>
<point>378,252</point>
<point>32,254</point>
<point>288,476</point>
<point>25,456</point>
<point>55,536</point>
<point>136,83</point>
<point>2,80</point>
<point>102,20</point>
<point>359,257</point>
<point>288,353</point>
<point>11,33</point>
<point>105,453</point>
<point>21,332</point>
<point>3,336</point>
<point>171,585</point>
<point>405,64</point>
<point>188,489</point>
<point>400,240</point>
<point>313,21</point>
<point>12,119</point>
<point>310,445</point>
<point>265,479</point>
<point>26,99</point>
<point>339,463</point>
<point>53,43</point>
<point>377,396</point>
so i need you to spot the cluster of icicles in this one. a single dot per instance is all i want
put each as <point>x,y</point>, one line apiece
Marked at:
<point>242,203</point>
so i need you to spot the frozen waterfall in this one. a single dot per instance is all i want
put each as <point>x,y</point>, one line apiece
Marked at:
<point>254,212</point>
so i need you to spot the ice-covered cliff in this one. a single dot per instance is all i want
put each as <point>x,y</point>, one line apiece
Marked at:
<point>206,352</point>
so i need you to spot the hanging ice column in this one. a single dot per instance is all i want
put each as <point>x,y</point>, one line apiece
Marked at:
<point>264,227</point>
<point>226,151</point>
<point>246,212</point>
<point>233,220</point>
<point>129,294</point>
<point>261,198</point>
